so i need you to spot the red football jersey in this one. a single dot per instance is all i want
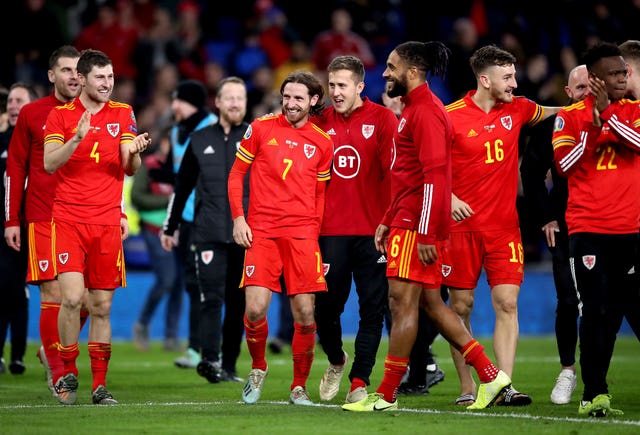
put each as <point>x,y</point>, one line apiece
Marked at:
<point>25,162</point>
<point>485,160</point>
<point>286,165</point>
<point>421,168</point>
<point>358,193</point>
<point>89,184</point>
<point>602,165</point>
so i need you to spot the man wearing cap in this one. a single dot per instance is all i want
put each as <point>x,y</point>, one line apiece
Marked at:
<point>190,110</point>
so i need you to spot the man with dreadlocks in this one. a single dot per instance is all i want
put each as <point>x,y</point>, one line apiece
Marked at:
<point>416,225</point>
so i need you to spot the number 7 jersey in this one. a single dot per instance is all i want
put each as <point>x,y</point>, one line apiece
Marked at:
<point>286,166</point>
<point>485,160</point>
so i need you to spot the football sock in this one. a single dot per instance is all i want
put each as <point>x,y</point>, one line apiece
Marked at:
<point>68,355</point>
<point>473,353</point>
<point>256,335</point>
<point>49,337</point>
<point>394,370</point>
<point>302,345</point>
<point>99,353</point>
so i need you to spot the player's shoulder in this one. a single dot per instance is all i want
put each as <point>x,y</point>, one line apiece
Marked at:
<point>456,105</point>
<point>116,105</point>
<point>319,130</point>
<point>268,117</point>
<point>578,106</point>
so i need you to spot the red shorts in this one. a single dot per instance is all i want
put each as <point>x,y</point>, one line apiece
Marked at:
<point>41,260</point>
<point>93,250</point>
<point>499,252</point>
<point>403,262</point>
<point>300,259</point>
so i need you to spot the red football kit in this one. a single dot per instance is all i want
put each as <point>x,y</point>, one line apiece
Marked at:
<point>485,176</point>
<point>420,187</point>
<point>485,160</point>
<point>289,167</point>
<point>27,180</point>
<point>359,186</point>
<point>602,165</point>
<point>89,191</point>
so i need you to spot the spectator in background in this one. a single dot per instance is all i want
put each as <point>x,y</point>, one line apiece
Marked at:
<point>300,59</point>
<point>339,40</point>
<point>191,51</point>
<point>30,45</point>
<point>14,312</point>
<point>114,32</point>
<point>189,107</point>
<point>464,40</point>
<point>150,193</point>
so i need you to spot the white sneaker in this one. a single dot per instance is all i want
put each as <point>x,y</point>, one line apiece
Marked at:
<point>356,395</point>
<point>330,382</point>
<point>253,387</point>
<point>565,384</point>
<point>299,396</point>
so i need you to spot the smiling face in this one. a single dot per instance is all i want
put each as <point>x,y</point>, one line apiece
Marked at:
<point>64,76</point>
<point>396,76</point>
<point>296,103</point>
<point>344,91</point>
<point>98,84</point>
<point>500,81</point>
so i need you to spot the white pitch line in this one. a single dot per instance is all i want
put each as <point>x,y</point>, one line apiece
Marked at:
<point>593,421</point>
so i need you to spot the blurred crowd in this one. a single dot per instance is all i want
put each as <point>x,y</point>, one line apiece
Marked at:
<point>155,44</point>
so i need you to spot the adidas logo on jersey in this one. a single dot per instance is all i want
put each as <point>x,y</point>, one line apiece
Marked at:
<point>472,133</point>
<point>332,132</point>
<point>209,150</point>
<point>273,142</point>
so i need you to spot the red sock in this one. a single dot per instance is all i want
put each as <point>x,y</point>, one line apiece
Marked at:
<point>356,383</point>
<point>256,335</point>
<point>394,370</point>
<point>84,316</point>
<point>473,353</point>
<point>68,355</point>
<point>302,345</point>
<point>99,353</point>
<point>50,338</point>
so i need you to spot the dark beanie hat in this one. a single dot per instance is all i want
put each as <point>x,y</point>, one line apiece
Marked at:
<point>191,91</point>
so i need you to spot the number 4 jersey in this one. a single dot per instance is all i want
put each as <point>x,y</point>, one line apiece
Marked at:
<point>89,184</point>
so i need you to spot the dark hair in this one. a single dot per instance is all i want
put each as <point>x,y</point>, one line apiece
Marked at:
<point>488,56</point>
<point>598,51</point>
<point>350,63</point>
<point>429,57</point>
<point>313,85</point>
<point>630,50</point>
<point>230,79</point>
<point>90,58</point>
<point>33,94</point>
<point>64,51</point>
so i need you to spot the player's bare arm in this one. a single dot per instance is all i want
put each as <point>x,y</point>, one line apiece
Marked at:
<point>460,210</point>
<point>56,155</point>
